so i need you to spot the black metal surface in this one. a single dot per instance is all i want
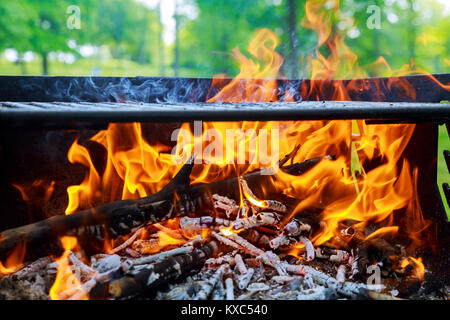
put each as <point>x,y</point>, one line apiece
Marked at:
<point>23,114</point>
<point>154,89</point>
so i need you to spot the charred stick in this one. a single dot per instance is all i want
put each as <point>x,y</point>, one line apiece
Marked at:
<point>210,283</point>
<point>240,265</point>
<point>257,220</point>
<point>151,277</point>
<point>309,248</point>
<point>127,242</point>
<point>244,279</point>
<point>157,257</point>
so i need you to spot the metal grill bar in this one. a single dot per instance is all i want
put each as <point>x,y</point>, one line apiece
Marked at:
<point>16,112</point>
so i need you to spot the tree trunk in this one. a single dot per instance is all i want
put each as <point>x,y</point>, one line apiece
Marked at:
<point>44,63</point>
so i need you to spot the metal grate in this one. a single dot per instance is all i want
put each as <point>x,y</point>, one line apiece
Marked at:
<point>19,112</point>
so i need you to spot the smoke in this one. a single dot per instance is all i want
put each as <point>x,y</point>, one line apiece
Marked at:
<point>104,89</point>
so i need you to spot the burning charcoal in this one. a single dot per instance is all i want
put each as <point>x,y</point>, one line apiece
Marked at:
<point>132,253</point>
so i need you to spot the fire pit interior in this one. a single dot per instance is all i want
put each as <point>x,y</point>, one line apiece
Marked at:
<point>182,206</point>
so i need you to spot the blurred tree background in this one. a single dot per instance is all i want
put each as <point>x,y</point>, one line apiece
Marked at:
<point>194,38</point>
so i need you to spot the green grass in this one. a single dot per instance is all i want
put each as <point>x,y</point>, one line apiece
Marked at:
<point>85,67</point>
<point>442,170</point>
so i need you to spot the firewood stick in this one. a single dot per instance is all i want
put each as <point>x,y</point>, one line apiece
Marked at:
<point>265,204</point>
<point>157,257</point>
<point>279,241</point>
<point>229,286</point>
<point>151,277</point>
<point>227,241</point>
<point>32,268</point>
<point>208,286</point>
<point>257,220</point>
<point>340,275</point>
<point>349,289</point>
<point>228,258</point>
<point>295,269</point>
<point>116,215</point>
<point>244,279</point>
<point>246,245</point>
<point>126,243</point>
<point>240,265</point>
<point>80,264</point>
<point>309,248</point>
<point>152,209</point>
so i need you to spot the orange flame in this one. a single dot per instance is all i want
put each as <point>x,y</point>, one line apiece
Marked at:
<point>66,283</point>
<point>419,268</point>
<point>14,261</point>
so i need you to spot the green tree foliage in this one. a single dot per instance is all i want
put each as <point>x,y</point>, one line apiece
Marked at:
<point>412,33</point>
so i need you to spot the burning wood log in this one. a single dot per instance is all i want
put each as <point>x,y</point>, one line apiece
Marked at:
<point>154,275</point>
<point>123,216</point>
